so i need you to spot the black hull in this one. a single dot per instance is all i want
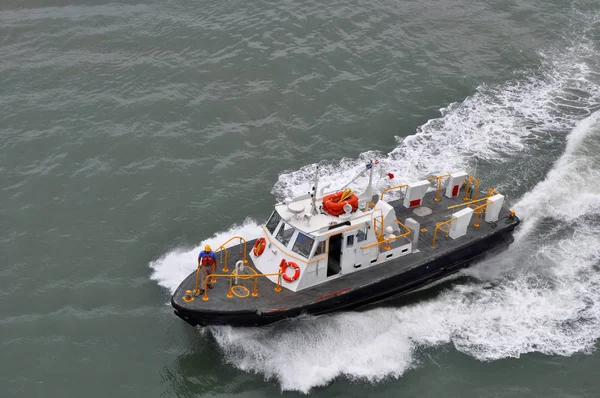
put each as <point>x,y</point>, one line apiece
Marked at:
<point>398,285</point>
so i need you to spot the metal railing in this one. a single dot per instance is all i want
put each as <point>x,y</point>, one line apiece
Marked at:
<point>392,188</point>
<point>480,209</point>
<point>471,179</point>
<point>439,185</point>
<point>234,276</point>
<point>386,241</point>
<point>438,226</point>
<point>224,249</point>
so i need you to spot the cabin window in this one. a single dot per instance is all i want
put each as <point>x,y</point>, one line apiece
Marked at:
<point>320,248</point>
<point>273,221</point>
<point>363,233</point>
<point>303,245</point>
<point>350,241</point>
<point>285,233</point>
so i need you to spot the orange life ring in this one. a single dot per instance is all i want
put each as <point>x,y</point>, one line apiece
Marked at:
<point>284,267</point>
<point>333,206</point>
<point>259,247</point>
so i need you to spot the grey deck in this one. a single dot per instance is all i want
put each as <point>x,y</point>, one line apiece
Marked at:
<point>270,300</point>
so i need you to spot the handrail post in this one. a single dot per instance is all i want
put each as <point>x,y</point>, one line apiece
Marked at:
<point>225,269</point>
<point>278,287</point>
<point>197,276</point>
<point>439,226</point>
<point>230,292</point>
<point>471,179</point>
<point>244,260</point>
<point>205,298</point>
<point>439,186</point>
<point>477,213</point>
<point>255,291</point>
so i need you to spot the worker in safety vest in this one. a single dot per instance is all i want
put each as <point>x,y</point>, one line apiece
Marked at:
<point>206,260</point>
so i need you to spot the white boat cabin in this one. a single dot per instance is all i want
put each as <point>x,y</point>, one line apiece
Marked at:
<point>324,246</point>
<point>319,246</point>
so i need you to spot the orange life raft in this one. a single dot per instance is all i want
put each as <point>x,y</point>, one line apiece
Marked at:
<point>334,205</point>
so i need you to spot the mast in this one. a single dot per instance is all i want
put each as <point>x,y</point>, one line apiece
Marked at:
<point>313,194</point>
<point>369,191</point>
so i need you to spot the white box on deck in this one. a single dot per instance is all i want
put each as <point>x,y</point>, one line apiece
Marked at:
<point>414,227</point>
<point>492,211</point>
<point>459,226</point>
<point>415,192</point>
<point>454,183</point>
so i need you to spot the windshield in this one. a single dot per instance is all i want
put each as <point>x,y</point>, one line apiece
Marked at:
<point>303,245</point>
<point>285,233</point>
<point>273,221</point>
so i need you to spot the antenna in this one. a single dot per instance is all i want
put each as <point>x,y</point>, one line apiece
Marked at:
<point>369,191</point>
<point>313,194</point>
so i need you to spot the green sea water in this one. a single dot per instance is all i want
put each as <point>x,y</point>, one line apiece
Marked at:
<point>131,133</point>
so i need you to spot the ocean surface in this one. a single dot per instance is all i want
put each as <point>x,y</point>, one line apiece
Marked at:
<point>132,133</point>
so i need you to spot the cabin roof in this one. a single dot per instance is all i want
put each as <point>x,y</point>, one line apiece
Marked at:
<point>316,224</point>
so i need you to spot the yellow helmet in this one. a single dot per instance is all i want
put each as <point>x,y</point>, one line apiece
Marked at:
<point>207,248</point>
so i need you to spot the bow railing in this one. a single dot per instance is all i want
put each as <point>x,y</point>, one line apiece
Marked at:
<point>236,289</point>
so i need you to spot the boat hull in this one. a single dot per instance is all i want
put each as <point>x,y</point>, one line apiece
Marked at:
<point>398,285</point>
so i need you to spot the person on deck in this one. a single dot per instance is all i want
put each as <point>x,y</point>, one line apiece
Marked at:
<point>206,260</point>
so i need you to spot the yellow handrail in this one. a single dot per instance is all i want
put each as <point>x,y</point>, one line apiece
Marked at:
<point>388,240</point>
<point>468,203</point>
<point>479,211</point>
<point>392,188</point>
<point>222,247</point>
<point>405,227</point>
<point>439,226</point>
<point>471,179</point>
<point>439,185</point>
<point>438,189</point>
<point>234,274</point>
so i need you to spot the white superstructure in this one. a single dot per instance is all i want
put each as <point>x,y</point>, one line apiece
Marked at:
<point>313,246</point>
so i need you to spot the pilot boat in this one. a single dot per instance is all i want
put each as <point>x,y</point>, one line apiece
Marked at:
<point>336,251</point>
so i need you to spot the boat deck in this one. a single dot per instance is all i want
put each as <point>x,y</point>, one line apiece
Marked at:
<point>269,300</point>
